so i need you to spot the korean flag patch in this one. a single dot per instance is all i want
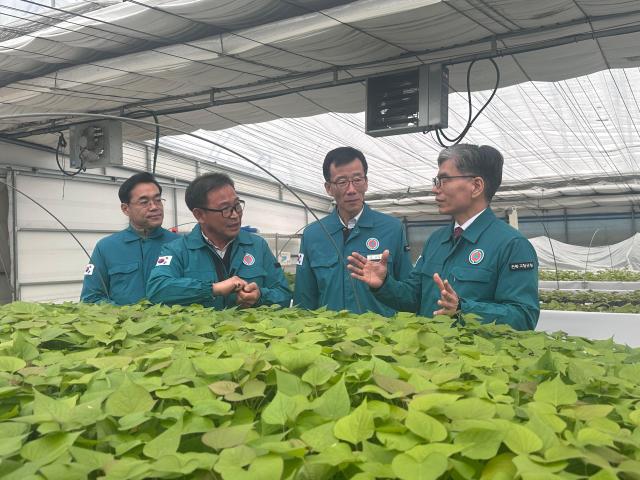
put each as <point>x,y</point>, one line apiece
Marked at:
<point>248,259</point>
<point>165,260</point>
<point>88,270</point>
<point>300,259</point>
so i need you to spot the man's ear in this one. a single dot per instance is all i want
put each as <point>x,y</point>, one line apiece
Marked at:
<point>327,187</point>
<point>198,214</point>
<point>478,187</point>
<point>125,208</point>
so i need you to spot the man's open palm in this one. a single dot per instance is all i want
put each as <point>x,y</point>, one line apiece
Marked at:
<point>370,272</point>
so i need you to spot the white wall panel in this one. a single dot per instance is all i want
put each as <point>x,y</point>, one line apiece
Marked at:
<point>55,293</point>
<point>79,204</point>
<point>53,256</point>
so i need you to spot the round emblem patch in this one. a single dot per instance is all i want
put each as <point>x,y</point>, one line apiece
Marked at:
<point>476,256</point>
<point>248,259</point>
<point>373,243</point>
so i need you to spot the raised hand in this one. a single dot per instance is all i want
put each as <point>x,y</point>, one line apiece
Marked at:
<point>370,272</point>
<point>228,286</point>
<point>449,300</point>
<point>249,295</point>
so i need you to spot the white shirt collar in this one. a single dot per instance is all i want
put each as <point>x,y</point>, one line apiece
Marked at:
<point>220,251</point>
<point>351,223</point>
<point>468,223</point>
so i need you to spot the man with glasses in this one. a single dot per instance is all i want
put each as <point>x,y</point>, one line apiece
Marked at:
<point>478,264</point>
<point>322,278</point>
<point>217,265</point>
<point>120,263</point>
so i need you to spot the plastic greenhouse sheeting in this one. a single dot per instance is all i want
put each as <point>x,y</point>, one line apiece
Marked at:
<point>587,285</point>
<point>622,255</point>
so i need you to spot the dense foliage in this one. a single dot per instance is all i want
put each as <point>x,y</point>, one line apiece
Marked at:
<point>601,276</point>
<point>590,301</point>
<point>135,392</point>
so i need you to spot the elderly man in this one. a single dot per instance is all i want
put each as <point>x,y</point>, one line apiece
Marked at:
<point>479,264</point>
<point>120,263</point>
<point>217,264</point>
<point>321,276</point>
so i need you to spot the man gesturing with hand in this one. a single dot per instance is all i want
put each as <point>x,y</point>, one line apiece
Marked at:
<point>478,264</point>
<point>374,274</point>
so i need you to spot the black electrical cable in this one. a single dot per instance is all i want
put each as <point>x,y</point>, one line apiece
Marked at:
<point>470,121</point>
<point>157,142</point>
<point>62,143</point>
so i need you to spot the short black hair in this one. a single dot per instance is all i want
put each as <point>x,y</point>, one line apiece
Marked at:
<point>124,193</point>
<point>196,194</point>
<point>479,160</point>
<point>341,156</point>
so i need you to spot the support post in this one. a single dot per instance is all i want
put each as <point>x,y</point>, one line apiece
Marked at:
<point>14,238</point>
<point>513,217</point>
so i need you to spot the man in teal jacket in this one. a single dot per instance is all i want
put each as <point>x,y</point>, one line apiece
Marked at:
<point>217,265</point>
<point>322,278</point>
<point>479,264</point>
<point>120,263</point>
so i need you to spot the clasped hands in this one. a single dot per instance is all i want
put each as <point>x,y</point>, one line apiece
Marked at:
<point>373,273</point>
<point>247,294</point>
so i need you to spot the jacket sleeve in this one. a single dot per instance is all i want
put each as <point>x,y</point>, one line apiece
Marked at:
<point>95,285</point>
<point>305,293</point>
<point>403,295</point>
<point>402,266</point>
<point>167,283</point>
<point>516,298</point>
<point>276,290</point>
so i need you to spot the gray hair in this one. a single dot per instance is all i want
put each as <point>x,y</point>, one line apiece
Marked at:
<point>482,161</point>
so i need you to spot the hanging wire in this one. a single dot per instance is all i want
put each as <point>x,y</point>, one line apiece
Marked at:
<point>156,146</point>
<point>62,143</point>
<point>470,121</point>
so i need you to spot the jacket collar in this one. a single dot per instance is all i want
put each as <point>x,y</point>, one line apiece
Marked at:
<point>131,235</point>
<point>333,224</point>
<point>195,240</point>
<point>478,226</point>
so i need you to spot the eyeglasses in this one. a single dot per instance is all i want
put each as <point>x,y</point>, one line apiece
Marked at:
<point>438,181</point>
<point>146,203</point>
<point>343,183</point>
<point>226,212</point>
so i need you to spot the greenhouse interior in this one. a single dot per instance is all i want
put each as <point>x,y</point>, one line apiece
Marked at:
<point>318,239</point>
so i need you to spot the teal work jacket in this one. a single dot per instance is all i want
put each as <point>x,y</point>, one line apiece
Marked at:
<point>120,265</point>
<point>186,271</point>
<point>322,278</point>
<point>492,267</point>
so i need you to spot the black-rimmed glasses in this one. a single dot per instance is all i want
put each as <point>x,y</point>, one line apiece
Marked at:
<point>227,212</point>
<point>343,183</point>
<point>438,181</point>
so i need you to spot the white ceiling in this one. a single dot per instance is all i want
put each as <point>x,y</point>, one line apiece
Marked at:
<point>227,66</point>
<point>175,55</point>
